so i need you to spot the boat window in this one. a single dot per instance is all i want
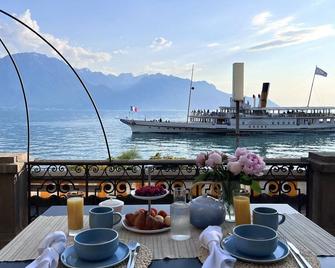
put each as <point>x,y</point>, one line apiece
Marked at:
<point>273,123</point>
<point>321,120</point>
<point>278,123</point>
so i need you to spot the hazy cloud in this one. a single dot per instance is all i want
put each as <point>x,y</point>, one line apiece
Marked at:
<point>261,18</point>
<point>213,45</point>
<point>160,43</point>
<point>235,48</point>
<point>285,32</point>
<point>120,52</point>
<point>21,39</point>
<point>171,67</point>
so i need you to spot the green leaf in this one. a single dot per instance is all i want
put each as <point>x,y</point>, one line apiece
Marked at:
<point>255,186</point>
<point>202,177</point>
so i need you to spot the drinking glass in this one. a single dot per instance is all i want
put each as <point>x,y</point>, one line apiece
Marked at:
<point>241,199</point>
<point>180,216</point>
<point>75,212</point>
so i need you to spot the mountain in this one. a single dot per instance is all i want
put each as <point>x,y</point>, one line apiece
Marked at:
<point>51,84</point>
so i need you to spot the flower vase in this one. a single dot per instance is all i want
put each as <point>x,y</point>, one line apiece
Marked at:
<point>228,187</point>
<point>230,215</point>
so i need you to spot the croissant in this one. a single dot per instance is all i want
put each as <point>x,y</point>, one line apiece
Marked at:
<point>143,221</point>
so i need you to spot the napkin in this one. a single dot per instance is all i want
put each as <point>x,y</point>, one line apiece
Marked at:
<point>49,250</point>
<point>217,258</point>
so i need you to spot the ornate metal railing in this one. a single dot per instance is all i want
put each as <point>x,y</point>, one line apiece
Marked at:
<point>285,180</point>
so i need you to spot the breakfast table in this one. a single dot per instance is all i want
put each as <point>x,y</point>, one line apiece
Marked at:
<point>308,236</point>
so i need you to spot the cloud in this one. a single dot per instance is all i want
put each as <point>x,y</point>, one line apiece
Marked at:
<point>120,52</point>
<point>160,43</point>
<point>20,39</point>
<point>210,45</point>
<point>171,68</point>
<point>234,48</point>
<point>285,32</point>
<point>261,18</point>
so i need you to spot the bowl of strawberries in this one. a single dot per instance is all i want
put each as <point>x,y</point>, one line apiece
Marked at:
<point>149,192</point>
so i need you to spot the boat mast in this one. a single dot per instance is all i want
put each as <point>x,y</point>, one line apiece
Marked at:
<point>189,95</point>
<point>310,93</point>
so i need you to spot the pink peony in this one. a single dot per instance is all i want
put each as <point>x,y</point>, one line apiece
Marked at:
<point>214,159</point>
<point>234,167</point>
<point>248,162</point>
<point>200,160</point>
<point>241,151</point>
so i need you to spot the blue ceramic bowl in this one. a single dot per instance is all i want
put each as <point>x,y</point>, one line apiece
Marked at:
<point>255,240</point>
<point>96,244</point>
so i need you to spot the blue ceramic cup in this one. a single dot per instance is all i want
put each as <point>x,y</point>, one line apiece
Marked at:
<point>255,240</point>
<point>103,217</point>
<point>96,244</point>
<point>268,217</point>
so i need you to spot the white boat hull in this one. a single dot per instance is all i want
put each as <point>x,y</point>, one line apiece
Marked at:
<point>142,126</point>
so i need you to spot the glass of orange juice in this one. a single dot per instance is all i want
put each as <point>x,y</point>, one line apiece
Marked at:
<point>75,212</point>
<point>241,199</point>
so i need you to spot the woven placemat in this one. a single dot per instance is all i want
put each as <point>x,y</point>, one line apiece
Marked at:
<point>297,229</point>
<point>143,260</point>
<point>288,262</point>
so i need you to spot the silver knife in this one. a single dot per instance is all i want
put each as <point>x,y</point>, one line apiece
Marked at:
<point>133,261</point>
<point>300,264</point>
<point>297,252</point>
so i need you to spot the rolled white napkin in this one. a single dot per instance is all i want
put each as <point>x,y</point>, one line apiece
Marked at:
<point>49,250</point>
<point>217,258</point>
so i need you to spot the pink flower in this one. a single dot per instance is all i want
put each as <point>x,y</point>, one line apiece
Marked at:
<point>234,167</point>
<point>241,151</point>
<point>245,161</point>
<point>214,159</point>
<point>232,158</point>
<point>200,160</point>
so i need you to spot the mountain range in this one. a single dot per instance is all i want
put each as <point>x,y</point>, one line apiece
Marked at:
<point>51,84</point>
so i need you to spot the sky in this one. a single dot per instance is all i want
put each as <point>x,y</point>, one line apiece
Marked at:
<point>280,42</point>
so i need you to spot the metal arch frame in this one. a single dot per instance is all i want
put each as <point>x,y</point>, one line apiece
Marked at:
<point>27,118</point>
<point>73,70</point>
<point>24,96</point>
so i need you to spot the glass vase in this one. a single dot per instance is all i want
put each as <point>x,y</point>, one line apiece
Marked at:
<point>228,187</point>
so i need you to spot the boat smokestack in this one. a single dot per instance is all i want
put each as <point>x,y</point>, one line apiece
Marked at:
<point>259,100</point>
<point>254,99</point>
<point>238,81</point>
<point>264,94</point>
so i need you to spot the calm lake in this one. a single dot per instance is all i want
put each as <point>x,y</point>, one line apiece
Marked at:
<point>76,134</point>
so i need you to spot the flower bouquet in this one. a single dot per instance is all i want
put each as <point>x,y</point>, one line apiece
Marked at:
<point>231,171</point>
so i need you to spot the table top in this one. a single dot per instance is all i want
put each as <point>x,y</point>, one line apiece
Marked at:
<point>165,263</point>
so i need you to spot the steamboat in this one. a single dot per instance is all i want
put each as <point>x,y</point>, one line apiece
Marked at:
<point>243,116</point>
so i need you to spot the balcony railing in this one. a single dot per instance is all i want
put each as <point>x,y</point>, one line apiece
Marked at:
<point>284,181</point>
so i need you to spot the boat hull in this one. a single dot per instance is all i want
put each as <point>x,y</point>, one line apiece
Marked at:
<point>142,126</point>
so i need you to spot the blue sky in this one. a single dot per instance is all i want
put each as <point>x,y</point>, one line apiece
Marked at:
<point>279,41</point>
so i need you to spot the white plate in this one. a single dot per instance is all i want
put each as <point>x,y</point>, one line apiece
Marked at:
<point>136,230</point>
<point>148,197</point>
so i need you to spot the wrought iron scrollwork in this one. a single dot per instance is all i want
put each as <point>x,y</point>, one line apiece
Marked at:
<point>51,180</point>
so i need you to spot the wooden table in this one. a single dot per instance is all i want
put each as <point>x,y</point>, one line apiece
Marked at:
<point>326,262</point>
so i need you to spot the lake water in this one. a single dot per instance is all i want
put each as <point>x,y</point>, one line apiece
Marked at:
<point>76,134</point>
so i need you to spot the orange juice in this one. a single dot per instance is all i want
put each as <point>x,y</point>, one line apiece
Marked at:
<point>75,213</point>
<point>242,209</point>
